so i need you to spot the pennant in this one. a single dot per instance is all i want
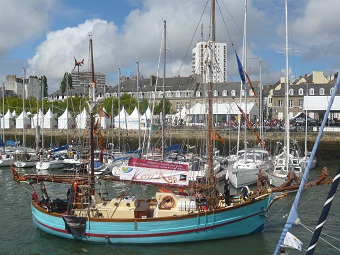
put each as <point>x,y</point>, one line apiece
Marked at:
<point>216,137</point>
<point>95,127</point>
<point>102,113</point>
<point>240,69</point>
<point>252,128</point>
<point>250,84</point>
<point>292,242</point>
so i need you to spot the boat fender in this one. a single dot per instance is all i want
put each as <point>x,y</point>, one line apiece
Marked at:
<point>168,202</point>
<point>0,157</point>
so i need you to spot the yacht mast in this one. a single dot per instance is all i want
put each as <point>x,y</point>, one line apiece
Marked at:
<point>163,96</point>
<point>91,106</point>
<point>23,111</point>
<point>287,92</point>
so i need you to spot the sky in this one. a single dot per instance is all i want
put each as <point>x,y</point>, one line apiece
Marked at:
<point>44,37</point>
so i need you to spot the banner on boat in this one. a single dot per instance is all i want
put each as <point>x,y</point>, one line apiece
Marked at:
<point>153,171</point>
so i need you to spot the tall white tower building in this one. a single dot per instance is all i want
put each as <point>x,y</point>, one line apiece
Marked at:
<point>200,54</point>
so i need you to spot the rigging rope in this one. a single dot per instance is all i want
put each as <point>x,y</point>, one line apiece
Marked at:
<point>324,214</point>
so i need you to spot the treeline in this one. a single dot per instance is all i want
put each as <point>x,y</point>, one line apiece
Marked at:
<point>77,104</point>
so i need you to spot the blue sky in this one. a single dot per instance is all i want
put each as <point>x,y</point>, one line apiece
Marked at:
<point>45,35</point>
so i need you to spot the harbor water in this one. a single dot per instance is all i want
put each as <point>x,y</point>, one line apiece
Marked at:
<point>18,234</point>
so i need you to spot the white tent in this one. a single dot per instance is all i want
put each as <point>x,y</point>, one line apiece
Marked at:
<point>133,119</point>
<point>196,113</point>
<point>49,121</point>
<point>23,121</point>
<point>123,115</point>
<point>104,121</point>
<point>65,121</point>
<point>182,114</point>
<point>7,120</point>
<point>37,119</point>
<point>81,119</point>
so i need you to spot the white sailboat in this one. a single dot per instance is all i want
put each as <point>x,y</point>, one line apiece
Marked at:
<point>244,171</point>
<point>6,157</point>
<point>25,157</point>
<point>286,162</point>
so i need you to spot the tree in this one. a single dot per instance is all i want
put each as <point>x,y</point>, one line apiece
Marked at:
<point>63,85</point>
<point>43,80</point>
<point>159,107</point>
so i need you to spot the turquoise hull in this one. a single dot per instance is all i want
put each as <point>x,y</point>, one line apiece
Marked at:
<point>245,219</point>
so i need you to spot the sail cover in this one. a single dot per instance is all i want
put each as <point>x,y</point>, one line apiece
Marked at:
<point>75,225</point>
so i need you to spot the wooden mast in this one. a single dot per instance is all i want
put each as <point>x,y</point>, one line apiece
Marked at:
<point>210,63</point>
<point>91,106</point>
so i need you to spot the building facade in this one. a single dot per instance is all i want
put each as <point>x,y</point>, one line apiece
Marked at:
<point>27,88</point>
<point>84,78</point>
<point>203,52</point>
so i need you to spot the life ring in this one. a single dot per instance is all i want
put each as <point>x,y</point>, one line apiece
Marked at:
<point>168,202</point>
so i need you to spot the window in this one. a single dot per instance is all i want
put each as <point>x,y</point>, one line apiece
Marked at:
<point>331,90</point>
<point>311,91</point>
<point>215,93</point>
<point>300,103</point>
<point>291,92</point>
<point>242,92</point>
<point>224,93</point>
<point>280,103</point>
<point>290,103</point>
<point>300,91</point>
<point>178,93</point>
<point>322,91</point>
<point>198,94</point>
<point>233,93</point>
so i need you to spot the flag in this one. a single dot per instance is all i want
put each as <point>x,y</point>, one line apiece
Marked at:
<point>243,74</point>
<point>216,137</point>
<point>292,242</point>
<point>102,113</point>
<point>240,69</point>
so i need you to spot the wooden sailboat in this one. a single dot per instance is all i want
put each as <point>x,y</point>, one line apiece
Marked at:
<point>166,217</point>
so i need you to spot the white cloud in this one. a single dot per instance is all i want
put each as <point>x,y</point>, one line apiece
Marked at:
<point>138,36</point>
<point>22,21</point>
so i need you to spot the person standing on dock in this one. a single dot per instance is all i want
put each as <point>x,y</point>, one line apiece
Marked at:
<point>226,192</point>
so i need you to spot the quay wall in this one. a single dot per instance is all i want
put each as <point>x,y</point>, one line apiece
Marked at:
<point>328,149</point>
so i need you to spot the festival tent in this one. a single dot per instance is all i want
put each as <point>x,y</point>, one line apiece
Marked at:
<point>196,114</point>
<point>122,116</point>
<point>7,120</point>
<point>23,121</point>
<point>133,119</point>
<point>180,115</point>
<point>81,119</point>
<point>37,119</point>
<point>49,121</point>
<point>65,121</point>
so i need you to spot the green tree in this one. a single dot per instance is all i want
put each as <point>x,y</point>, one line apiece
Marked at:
<point>63,85</point>
<point>128,102</point>
<point>159,107</point>
<point>43,80</point>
